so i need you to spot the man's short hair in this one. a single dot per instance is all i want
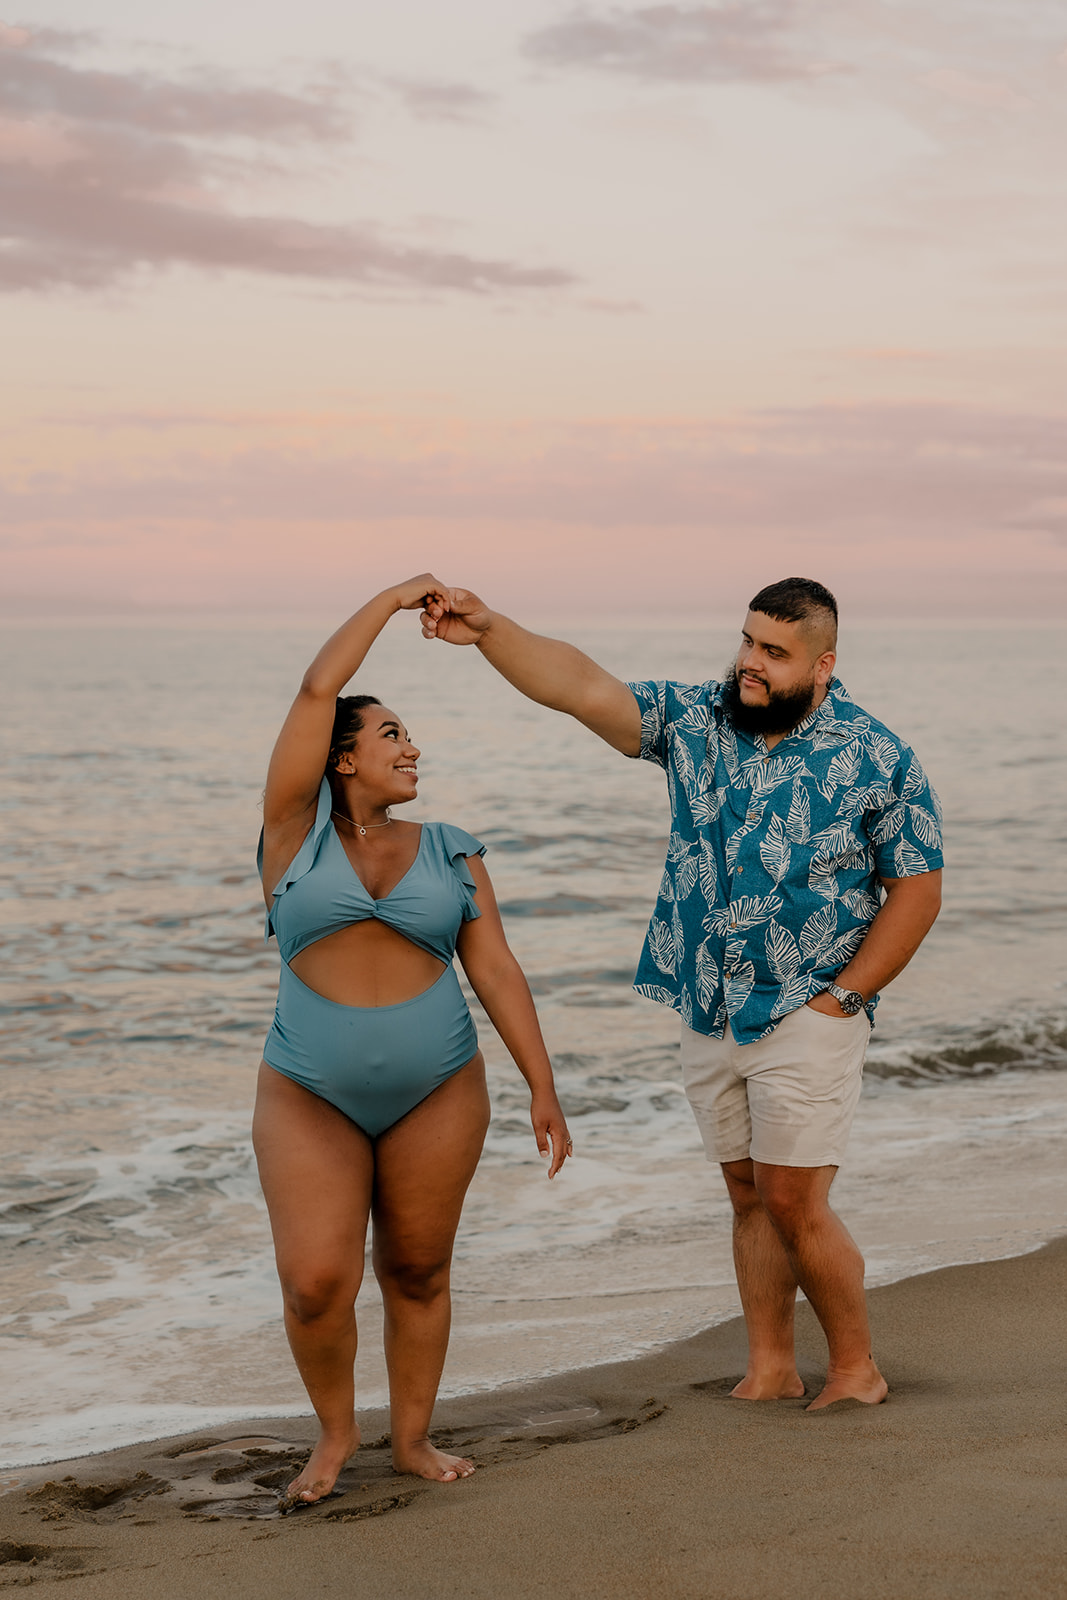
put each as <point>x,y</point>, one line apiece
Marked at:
<point>800,600</point>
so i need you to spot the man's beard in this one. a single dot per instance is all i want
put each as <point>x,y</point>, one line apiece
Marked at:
<point>783,710</point>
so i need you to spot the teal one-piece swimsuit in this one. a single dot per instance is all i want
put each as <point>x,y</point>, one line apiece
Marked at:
<point>374,1063</point>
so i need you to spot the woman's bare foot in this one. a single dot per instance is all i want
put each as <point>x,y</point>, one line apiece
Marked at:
<point>322,1470</point>
<point>770,1384</point>
<point>867,1386</point>
<point>423,1461</point>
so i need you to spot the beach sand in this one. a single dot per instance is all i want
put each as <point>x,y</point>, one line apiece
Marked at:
<point>641,1478</point>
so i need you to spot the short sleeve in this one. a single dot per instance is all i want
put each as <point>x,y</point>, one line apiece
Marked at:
<point>652,703</point>
<point>906,832</point>
<point>458,845</point>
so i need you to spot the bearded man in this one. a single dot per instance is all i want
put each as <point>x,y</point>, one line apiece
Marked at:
<point>802,874</point>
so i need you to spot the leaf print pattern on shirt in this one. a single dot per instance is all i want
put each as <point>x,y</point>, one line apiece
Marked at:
<point>773,867</point>
<point>783,953</point>
<point>883,752</point>
<point>739,982</point>
<point>774,850</point>
<point>747,911</point>
<point>843,769</point>
<point>686,877</point>
<point>907,860</point>
<point>661,944</point>
<point>924,825</point>
<point>790,997</point>
<point>707,973</point>
<point>706,808</point>
<point>822,877</point>
<point>861,904</point>
<point>707,872</point>
<point>737,838</point>
<point>819,932</point>
<point>889,823</point>
<point>798,817</point>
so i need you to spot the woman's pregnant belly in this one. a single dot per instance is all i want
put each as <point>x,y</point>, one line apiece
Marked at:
<point>367,964</point>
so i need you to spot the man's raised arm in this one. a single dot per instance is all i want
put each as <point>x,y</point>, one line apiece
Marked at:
<point>549,671</point>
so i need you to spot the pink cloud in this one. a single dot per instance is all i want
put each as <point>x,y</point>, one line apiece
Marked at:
<point>968,90</point>
<point>103,174</point>
<point>907,507</point>
<point>436,100</point>
<point>727,43</point>
<point>854,469</point>
<point>893,354</point>
<point>33,83</point>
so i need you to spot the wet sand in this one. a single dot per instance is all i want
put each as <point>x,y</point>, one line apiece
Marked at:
<point>641,1478</point>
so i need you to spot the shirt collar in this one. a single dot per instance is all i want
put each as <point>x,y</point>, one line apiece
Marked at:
<point>832,715</point>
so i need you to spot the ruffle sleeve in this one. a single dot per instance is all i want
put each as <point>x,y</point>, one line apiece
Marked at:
<point>305,857</point>
<point>458,845</point>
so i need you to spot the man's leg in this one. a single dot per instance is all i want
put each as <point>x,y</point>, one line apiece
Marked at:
<point>768,1288</point>
<point>718,1096</point>
<point>829,1268</point>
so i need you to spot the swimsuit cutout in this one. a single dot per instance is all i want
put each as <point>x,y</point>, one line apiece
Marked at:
<point>374,1063</point>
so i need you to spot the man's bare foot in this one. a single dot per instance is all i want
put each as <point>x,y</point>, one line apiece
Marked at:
<point>422,1460</point>
<point>771,1383</point>
<point>321,1473</point>
<point>867,1386</point>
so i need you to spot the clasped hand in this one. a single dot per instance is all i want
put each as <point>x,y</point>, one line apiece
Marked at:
<point>455,615</point>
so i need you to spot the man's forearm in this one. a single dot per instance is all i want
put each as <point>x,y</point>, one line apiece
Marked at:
<point>895,934</point>
<point>561,676</point>
<point>549,671</point>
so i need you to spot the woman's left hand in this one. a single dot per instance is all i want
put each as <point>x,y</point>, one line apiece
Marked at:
<point>424,591</point>
<point>550,1128</point>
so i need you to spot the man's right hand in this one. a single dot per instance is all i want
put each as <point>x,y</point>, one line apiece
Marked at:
<point>458,617</point>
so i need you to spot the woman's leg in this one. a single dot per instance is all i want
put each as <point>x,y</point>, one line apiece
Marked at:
<point>317,1173</point>
<point>424,1164</point>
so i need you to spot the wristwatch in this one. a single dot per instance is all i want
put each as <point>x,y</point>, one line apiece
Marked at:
<point>850,1001</point>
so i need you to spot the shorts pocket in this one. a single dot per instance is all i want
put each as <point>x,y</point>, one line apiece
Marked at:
<point>824,1016</point>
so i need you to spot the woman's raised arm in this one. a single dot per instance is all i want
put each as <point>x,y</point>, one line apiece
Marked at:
<point>299,756</point>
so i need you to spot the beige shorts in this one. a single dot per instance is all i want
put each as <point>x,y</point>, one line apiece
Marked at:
<point>788,1100</point>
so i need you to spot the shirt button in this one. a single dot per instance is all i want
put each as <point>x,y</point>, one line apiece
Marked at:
<point>739,871</point>
<point>733,924</point>
<point>752,816</point>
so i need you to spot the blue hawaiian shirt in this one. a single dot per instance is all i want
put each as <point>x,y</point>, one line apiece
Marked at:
<point>775,856</point>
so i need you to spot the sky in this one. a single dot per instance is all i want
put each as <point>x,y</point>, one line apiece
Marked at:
<point>603,310</point>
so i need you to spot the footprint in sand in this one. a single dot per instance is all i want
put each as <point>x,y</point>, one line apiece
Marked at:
<point>215,1478</point>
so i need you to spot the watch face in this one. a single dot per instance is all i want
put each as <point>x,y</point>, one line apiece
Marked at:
<point>850,1000</point>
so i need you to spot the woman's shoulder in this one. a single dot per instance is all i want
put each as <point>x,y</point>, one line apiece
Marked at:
<point>454,841</point>
<point>288,849</point>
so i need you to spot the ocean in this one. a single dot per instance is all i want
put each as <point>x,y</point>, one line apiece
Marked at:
<point>139,1296</point>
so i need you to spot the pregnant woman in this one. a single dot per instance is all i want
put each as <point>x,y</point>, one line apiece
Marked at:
<point>372,1099</point>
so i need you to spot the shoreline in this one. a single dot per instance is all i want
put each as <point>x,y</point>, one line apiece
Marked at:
<point>15,1473</point>
<point>932,1181</point>
<point>640,1474</point>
